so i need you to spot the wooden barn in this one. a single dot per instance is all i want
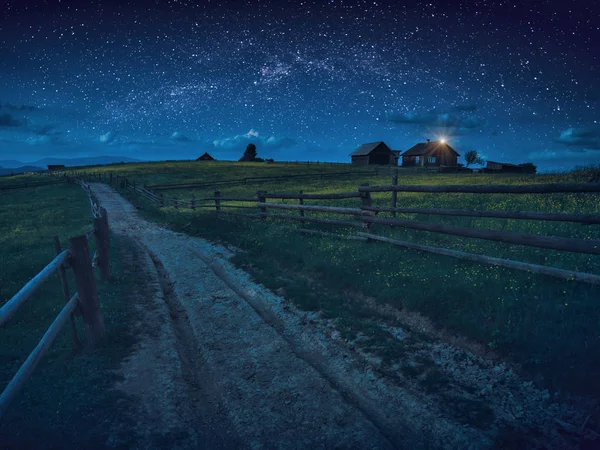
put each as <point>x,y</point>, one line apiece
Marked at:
<point>375,153</point>
<point>492,167</point>
<point>205,157</point>
<point>430,154</point>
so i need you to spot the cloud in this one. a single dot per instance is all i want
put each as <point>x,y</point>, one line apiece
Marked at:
<point>240,141</point>
<point>565,156</point>
<point>47,130</point>
<point>449,123</point>
<point>579,139</point>
<point>7,120</point>
<point>38,140</point>
<point>177,136</point>
<point>108,137</point>
<point>11,107</point>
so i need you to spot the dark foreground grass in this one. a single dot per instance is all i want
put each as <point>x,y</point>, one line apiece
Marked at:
<point>69,401</point>
<point>547,325</point>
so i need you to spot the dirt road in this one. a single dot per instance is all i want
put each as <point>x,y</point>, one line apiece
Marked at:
<point>224,363</point>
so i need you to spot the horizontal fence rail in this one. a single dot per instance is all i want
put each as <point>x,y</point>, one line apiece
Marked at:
<point>365,217</point>
<point>84,302</point>
<point>340,195</point>
<point>535,268</point>
<point>26,370</point>
<point>325,209</point>
<point>19,299</point>
<point>520,215</point>
<point>532,240</point>
<point>30,185</point>
<point>489,189</point>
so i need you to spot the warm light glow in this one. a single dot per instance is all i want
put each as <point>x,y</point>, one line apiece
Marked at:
<point>443,141</point>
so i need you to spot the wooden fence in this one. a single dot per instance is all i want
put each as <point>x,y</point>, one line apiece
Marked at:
<point>365,216</point>
<point>83,303</point>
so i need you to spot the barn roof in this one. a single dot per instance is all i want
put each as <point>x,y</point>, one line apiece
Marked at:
<point>206,155</point>
<point>365,149</point>
<point>423,148</point>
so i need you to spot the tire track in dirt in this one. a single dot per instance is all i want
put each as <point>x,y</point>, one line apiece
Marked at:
<point>175,409</point>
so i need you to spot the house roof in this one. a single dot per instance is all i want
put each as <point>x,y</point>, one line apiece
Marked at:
<point>365,149</point>
<point>205,155</point>
<point>422,148</point>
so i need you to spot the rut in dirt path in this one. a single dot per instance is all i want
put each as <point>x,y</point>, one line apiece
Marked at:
<point>274,380</point>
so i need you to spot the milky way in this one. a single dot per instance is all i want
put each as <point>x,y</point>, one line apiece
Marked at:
<point>518,81</point>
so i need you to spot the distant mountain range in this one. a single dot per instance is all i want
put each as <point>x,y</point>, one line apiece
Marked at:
<point>12,166</point>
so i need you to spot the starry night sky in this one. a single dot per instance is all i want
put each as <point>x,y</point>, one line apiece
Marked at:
<point>516,80</point>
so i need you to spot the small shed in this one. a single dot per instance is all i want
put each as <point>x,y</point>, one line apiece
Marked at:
<point>205,157</point>
<point>375,153</point>
<point>52,167</point>
<point>430,154</point>
<point>492,166</point>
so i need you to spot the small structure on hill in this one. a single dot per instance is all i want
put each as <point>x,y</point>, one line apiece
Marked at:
<point>375,153</point>
<point>495,167</point>
<point>52,167</point>
<point>205,157</point>
<point>430,153</point>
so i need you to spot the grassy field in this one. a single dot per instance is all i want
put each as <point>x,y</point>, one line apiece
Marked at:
<point>68,402</point>
<point>547,325</point>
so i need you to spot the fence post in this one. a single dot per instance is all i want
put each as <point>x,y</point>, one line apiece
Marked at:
<point>86,287</point>
<point>102,244</point>
<point>65,287</point>
<point>193,201</point>
<point>366,202</point>
<point>301,202</point>
<point>110,179</point>
<point>217,201</point>
<point>394,193</point>
<point>262,199</point>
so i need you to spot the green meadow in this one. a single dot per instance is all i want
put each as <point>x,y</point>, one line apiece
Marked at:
<point>546,325</point>
<point>68,401</point>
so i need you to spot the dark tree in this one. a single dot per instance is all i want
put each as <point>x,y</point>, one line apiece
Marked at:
<point>250,153</point>
<point>473,157</point>
<point>529,167</point>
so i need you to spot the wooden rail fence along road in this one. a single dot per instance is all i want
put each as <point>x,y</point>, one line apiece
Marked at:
<point>365,216</point>
<point>83,303</point>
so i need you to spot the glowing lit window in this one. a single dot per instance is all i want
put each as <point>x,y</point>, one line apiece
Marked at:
<point>431,160</point>
<point>418,159</point>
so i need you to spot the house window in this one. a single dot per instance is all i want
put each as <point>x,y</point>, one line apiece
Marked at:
<point>418,160</point>
<point>431,160</point>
